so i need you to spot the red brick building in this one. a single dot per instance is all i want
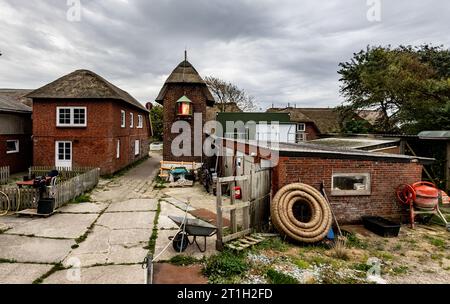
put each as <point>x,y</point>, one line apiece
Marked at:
<point>358,183</point>
<point>184,96</point>
<point>82,120</point>
<point>15,130</point>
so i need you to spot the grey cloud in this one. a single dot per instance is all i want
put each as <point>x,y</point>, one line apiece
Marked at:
<point>279,51</point>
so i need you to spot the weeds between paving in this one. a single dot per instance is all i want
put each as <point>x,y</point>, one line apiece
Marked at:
<point>276,261</point>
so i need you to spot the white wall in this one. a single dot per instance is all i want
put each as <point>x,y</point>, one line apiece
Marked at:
<point>284,133</point>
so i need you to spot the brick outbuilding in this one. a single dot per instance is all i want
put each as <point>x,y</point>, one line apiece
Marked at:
<point>82,120</point>
<point>358,183</point>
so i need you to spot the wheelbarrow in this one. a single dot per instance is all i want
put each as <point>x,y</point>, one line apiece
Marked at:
<point>191,228</point>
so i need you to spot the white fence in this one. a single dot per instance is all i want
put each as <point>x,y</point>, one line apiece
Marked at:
<point>4,175</point>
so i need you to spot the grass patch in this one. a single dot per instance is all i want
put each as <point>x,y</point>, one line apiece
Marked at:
<point>400,270</point>
<point>152,242</point>
<point>276,277</point>
<point>83,198</point>
<point>276,244</point>
<point>225,265</point>
<point>183,260</point>
<point>302,264</point>
<point>54,269</point>
<point>355,242</point>
<point>361,267</point>
<point>339,250</point>
<point>439,243</point>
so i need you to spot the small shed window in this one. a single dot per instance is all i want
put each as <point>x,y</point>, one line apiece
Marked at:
<point>122,119</point>
<point>12,146</point>
<point>351,184</point>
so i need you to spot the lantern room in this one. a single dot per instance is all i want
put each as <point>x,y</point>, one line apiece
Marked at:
<point>184,107</point>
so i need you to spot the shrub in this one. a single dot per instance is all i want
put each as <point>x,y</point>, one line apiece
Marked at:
<point>183,260</point>
<point>276,244</point>
<point>339,250</point>
<point>225,265</point>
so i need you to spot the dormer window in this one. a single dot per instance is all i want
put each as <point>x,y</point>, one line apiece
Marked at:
<point>184,107</point>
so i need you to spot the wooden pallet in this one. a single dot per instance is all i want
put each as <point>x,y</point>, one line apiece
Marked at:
<point>246,242</point>
<point>33,213</point>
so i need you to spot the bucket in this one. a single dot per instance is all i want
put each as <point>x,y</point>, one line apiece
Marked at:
<point>46,206</point>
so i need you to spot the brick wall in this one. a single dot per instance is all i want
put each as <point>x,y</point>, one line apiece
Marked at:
<point>17,162</point>
<point>385,177</point>
<point>311,131</point>
<point>175,91</point>
<point>95,145</point>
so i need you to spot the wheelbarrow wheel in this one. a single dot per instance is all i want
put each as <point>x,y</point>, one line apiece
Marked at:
<point>180,242</point>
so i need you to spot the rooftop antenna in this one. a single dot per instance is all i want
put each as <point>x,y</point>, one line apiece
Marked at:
<point>185,54</point>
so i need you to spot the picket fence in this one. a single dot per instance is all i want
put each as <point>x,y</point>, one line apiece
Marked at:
<point>4,175</point>
<point>64,192</point>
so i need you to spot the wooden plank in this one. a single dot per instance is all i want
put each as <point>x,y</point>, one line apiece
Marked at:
<point>235,206</point>
<point>231,179</point>
<point>219,241</point>
<point>236,235</point>
<point>233,220</point>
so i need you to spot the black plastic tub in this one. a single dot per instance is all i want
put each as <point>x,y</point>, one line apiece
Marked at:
<point>46,206</point>
<point>381,226</point>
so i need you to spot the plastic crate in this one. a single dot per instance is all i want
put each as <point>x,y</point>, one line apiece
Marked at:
<point>381,226</point>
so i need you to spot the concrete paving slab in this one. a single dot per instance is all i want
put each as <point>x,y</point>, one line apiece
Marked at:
<point>197,195</point>
<point>105,245</point>
<point>33,249</point>
<point>181,205</point>
<point>83,208</point>
<point>134,205</point>
<point>69,226</point>
<point>17,273</point>
<point>113,274</point>
<point>127,220</point>
<point>11,221</point>
<point>164,222</point>
<point>163,240</point>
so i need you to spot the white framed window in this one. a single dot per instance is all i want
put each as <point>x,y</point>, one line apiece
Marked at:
<point>140,122</point>
<point>118,149</point>
<point>71,117</point>
<point>137,147</point>
<point>12,146</point>
<point>123,121</point>
<point>131,120</point>
<point>351,184</point>
<point>301,127</point>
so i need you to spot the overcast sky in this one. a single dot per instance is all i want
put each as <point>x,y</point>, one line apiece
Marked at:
<point>279,51</point>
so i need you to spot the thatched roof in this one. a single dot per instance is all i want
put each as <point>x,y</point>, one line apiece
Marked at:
<point>84,84</point>
<point>327,120</point>
<point>185,73</point>
<point>14,100</point>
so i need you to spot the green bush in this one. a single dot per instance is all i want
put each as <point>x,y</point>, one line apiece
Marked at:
<point>225,265</point>
<point>276,277</point>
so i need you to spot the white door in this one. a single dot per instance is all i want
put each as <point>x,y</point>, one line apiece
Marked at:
<point>63,154</point>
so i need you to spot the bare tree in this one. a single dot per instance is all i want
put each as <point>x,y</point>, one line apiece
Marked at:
<point>226,92</point>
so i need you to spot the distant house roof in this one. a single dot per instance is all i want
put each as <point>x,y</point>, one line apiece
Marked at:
<point>13,100</point>
<point>84,84</point>
<point>371,116</point>
<point>327,120</point>
<point>437,135</point>
<point>185,73</point>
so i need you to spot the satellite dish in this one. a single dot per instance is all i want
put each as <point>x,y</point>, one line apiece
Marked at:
<point>149,106</point>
